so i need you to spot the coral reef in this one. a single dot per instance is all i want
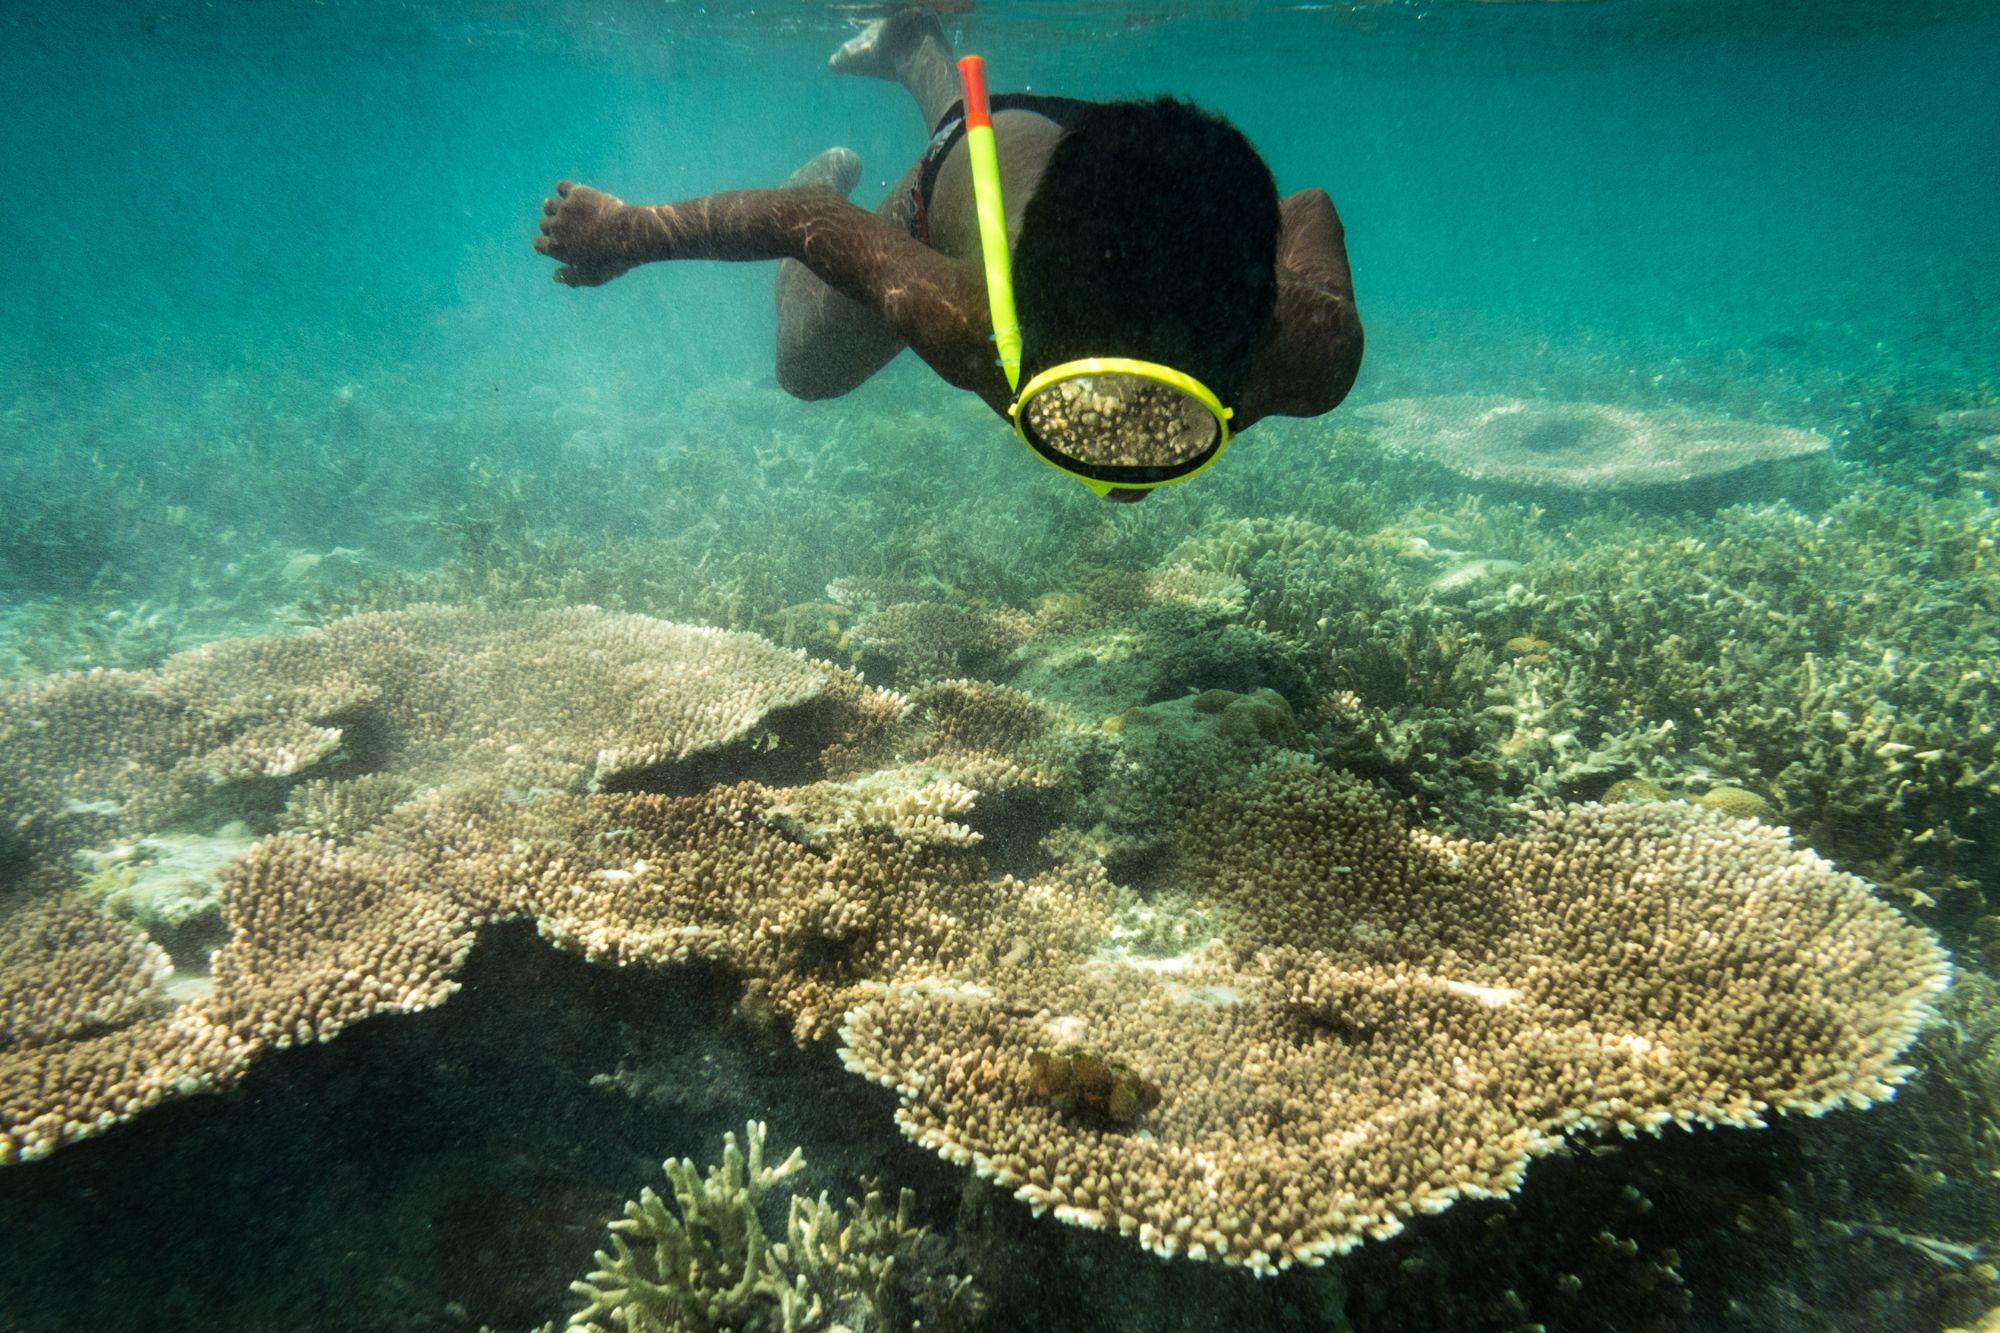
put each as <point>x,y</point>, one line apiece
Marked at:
<point>1615,968</point>
<point>429,695</point>
<point>1029,835</point>
<point>320,935</point>
<point>1838,667</point>
<point>909,643</point>
<point>341,811</point>
<point>111,975</point>
<point>1083,1084</point>
<point>1157,765</point>
<point>170,886</point>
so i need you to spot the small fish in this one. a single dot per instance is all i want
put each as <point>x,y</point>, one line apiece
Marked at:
<point>1973,418</point>
<point>1472,571</point>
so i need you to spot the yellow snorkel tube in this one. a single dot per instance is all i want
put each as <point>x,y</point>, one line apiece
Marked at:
<point>1080,379</point>
<point>985,158</point>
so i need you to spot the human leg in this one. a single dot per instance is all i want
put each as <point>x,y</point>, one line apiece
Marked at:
<point>909,48</point>
<point>828,344</point>
<point>839,169</point>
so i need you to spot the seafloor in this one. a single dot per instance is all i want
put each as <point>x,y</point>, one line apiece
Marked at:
<point>1807,644</point>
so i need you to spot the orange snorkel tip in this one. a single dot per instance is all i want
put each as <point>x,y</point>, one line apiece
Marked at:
<point>972,72</point>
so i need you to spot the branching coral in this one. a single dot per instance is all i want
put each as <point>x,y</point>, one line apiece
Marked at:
<point>1841,665</point>
<point>706,1264</point>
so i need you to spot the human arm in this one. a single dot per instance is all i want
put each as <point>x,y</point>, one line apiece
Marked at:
<point>936,304</point>
<point>1314,353</point>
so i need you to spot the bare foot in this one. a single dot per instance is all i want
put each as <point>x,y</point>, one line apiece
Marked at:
<point>839,169</point>
<point>881,49</point>
<point>588,232</point>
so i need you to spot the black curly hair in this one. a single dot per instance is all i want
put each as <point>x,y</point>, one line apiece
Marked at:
<point>1152,234</point>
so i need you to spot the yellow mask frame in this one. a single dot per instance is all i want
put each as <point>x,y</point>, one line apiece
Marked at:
<point>1105,480</point>
<point>992,215</point>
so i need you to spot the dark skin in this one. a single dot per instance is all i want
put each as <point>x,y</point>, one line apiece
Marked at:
<point>860,287</point>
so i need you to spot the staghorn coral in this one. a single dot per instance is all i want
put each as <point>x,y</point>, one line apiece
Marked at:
<point>1106,599</point>
<point>1393,1020</point>
<point>1363,618</point>
<point>1840,666</point>
<point>707,1262</point>
<point>1112,637</point>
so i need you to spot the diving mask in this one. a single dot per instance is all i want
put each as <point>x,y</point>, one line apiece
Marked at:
<point>1113,423</point>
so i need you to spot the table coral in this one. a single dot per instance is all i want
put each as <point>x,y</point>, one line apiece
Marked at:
<point>431,694</point>
<point>1578,446</point>
<point>320,934</point>
<point>1380,1019</point>
<point>1394,1020</point>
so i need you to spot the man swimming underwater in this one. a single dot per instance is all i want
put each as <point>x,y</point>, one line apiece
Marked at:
<point>1166,298</point>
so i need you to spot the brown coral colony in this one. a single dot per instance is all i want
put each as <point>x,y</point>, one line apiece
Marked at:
<point>1383,1021</point>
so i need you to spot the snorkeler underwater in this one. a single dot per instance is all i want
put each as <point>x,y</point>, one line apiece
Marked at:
<point>524,811</point>
<point>1142,230</point>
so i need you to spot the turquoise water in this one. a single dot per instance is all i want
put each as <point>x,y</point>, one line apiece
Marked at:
<point>339,193</point>
<point>277,351</point>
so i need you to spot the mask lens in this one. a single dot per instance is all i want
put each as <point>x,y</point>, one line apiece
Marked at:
<point>1119,423</point>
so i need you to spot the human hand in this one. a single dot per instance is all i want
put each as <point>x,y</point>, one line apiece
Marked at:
<point>589,232</point>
